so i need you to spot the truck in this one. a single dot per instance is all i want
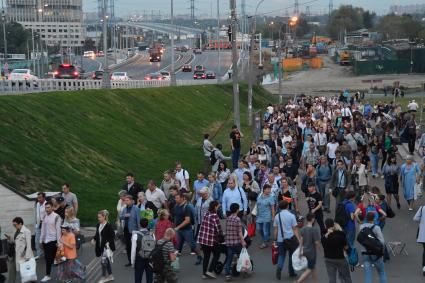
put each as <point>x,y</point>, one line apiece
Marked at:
<point>344,58</point>
<point>155,52</point>
<point>214,44</point>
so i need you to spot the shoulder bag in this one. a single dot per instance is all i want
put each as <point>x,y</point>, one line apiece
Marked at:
<point>290,244</point>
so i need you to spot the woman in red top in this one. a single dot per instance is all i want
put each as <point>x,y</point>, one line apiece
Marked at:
<point>369,204</point>
<point>163,224</point>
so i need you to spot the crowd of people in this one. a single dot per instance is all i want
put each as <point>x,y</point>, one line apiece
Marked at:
<point>305,184</point>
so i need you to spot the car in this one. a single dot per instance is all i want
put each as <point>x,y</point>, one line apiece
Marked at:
<point>67,71</point>
<point>199,68</point>
<point>97,75</point>
<point>100,54</point>
<point>89,54</point>
<point>210,75</point>
<point>22,75</point>
<point>187,68</point>
<point>197,51</point>
<point>154,77</point>
<point>119,76</point>
<point>183,49</point>
<point>199,75</point>
<point>166,75</point>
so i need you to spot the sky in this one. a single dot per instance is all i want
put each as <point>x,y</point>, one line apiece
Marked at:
<point>268,7</point>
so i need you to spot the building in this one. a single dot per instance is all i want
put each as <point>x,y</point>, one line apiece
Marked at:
<point>59,22</point>
<point>407,9</point>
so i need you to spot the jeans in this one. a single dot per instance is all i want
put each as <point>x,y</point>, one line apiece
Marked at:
<point>325,194</point>
<point>39,252</point>
<point>340,266</point>
<point>423,255</point>
<point>231,251</point>
<point>207,250</point>
<point>264,229</point>
<point>374,160</point>
<point>141,265</point>
<point>411,143</point>
<point>106,266</point>
<point>351,236</point>
<point>235,157</point>
<point>368,269</point>
<point>281,258</point>
<point>185,235</point>
<point>49,255</point>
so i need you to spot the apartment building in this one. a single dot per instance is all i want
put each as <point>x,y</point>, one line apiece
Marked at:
<point>59,22</point>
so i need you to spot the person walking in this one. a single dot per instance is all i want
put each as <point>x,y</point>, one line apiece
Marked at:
<point>22,247</point>
<point>223,174</point>
<point>234,238</point>
<point>334,244</point>
<point>155,195</point>
<point>370,260</point>
<point>265,214</point>
<point>50,234</point>
<point>170,254</point>
<point>71,221</point>
<point>70,198</point>
<point>315,204</point>
<point>207,148</point>
<point>142,239</point>
<point>131,186</point>
<point>234,194</point>
<point>218,156</point>
<point>409,176</point>
<point>131,217</point>
<point>166,183</point>
<point>104,240</point>
<point>235,144</point>
<point>391,172</point>
<point>208,237</point>
<point>40,212</point>
<point>349,210</point>
<point>340,181</point>
<point>309,244</point>
<point>71,268</point>
<point>201,207</point>
<point>359,177</point>
<point>324,175</point>
<point>285,229</point>
<point>420,218</point>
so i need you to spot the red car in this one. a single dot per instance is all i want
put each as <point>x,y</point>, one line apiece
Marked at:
<point>199,75</point>
<point>187,68</point>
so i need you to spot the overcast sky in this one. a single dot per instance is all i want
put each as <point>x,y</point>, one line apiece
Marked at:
<point>126,7</point>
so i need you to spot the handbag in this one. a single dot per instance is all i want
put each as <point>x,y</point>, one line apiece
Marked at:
<point>299,263</point>
<point>254,210</point>
<point>289,244</point>
<point>275,254</point>
<point>27,269</point>
<point>80,240</point>
<point>251,229</point>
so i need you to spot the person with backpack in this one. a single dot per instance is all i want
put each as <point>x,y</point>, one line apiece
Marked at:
<point>315,204</point>
<point>184,218</point>
<point>334,244</point>
<point>409,176</point>
<point>161,258</point>
<point>420,238</point>
<point>372,240</point>
<point>217,156</point>
<point>367,205</point>
<point>142,244</point>
<point>345,217</point>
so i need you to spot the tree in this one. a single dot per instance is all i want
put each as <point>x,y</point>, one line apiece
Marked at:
<point>399,26</point>
<point>89,45</point>
<point>18,38</point>
<point>368,19</point>
<point>348,18</point>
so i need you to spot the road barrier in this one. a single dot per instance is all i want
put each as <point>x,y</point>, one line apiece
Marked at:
<point>22,87</point>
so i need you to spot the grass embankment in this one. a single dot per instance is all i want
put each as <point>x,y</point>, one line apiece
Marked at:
<point>93,138</point>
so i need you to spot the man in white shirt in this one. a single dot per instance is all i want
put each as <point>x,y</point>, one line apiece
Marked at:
<point>155,195</point>
<point>207,148</point>
<point>346,113</point>
<point>40,212</point>
<point>412,106</point>
<point>182,175</point>
<point>271,180</point>
<point>50,234</point>
<point>321,140</point>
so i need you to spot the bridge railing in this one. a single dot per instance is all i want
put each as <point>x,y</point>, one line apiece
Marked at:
<point>46,85</point>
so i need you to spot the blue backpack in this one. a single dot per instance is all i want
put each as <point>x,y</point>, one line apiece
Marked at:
<point>353,258</point>
<point>372,208</point>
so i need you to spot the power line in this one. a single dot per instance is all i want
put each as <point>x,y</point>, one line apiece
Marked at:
<point>288,7</point>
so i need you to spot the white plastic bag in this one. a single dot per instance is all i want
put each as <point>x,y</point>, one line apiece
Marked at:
<point>244,262</point>
<point>27,270</point>
<point>297,262</point>
<point>109,253</point>
<point>418,191</point>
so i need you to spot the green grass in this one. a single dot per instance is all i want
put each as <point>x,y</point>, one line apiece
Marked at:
<point>93,138</point>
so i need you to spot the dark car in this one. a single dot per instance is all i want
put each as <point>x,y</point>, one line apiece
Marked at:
<point>199,68</point>
<point>187,68</point>
<point>97,75</point>
<point>67,71</point>
<point>199,75</point>
<point>210,75</point>
<point>197,51</point>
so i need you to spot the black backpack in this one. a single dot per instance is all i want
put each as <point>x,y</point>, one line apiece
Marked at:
<point>370,242</point>
<point>213,159</point>
<point>156,258</point>
<point>341,215</point>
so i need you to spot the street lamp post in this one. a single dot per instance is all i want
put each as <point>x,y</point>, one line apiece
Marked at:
<point>172,74</point>
<point>3,17</point>
<point>106,83</point>
<point>250,64</point>
<point>235,64</point>
<point>218,40</point>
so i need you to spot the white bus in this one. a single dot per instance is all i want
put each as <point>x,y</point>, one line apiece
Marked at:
<point>89,54</point>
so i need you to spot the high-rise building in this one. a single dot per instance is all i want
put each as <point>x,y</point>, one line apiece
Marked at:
<point>59,22</point>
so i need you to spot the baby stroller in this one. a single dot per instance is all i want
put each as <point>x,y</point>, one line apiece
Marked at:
<point>223,251</point>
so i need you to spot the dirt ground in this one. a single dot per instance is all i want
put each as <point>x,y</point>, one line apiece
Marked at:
<point>334,79</point>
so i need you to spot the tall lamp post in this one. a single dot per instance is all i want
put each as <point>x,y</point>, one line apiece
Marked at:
<point>3,18</point>
<point>172,74</point>
<point>218,40</point>
<point>251,68</point>
<point>106,83</point>
<point>234,32</point>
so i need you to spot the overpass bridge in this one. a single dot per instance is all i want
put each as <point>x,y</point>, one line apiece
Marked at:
<point>163,28</point>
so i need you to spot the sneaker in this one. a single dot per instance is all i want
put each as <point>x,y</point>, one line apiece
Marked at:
<point>263,246</point>
<point>192,253</point>
<point>37,257</point>
<point>102,279</point>
<point>109,278</point>
<point>410,209</point>
<point>278,273</point>
<point>398,205</point>
<point>46,278</point>
<point>128,265</point>
<point>204,276</point>
<point>210,275</point>
<point>423,271</point>
<point>228,278</point>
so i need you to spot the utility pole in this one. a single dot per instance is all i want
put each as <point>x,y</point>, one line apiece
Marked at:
<point>172,74</point>
<point>106,83</point>
<point>279,65</point>
<point>218,40</point>
<point>3,17</point>
<point>235,63</point>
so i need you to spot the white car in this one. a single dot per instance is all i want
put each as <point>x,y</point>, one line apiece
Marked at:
<point>166,75</point>
<point>119,76</point>
<point>22,75</point>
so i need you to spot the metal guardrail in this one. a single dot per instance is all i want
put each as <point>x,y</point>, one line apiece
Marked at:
<point>45,85</point>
